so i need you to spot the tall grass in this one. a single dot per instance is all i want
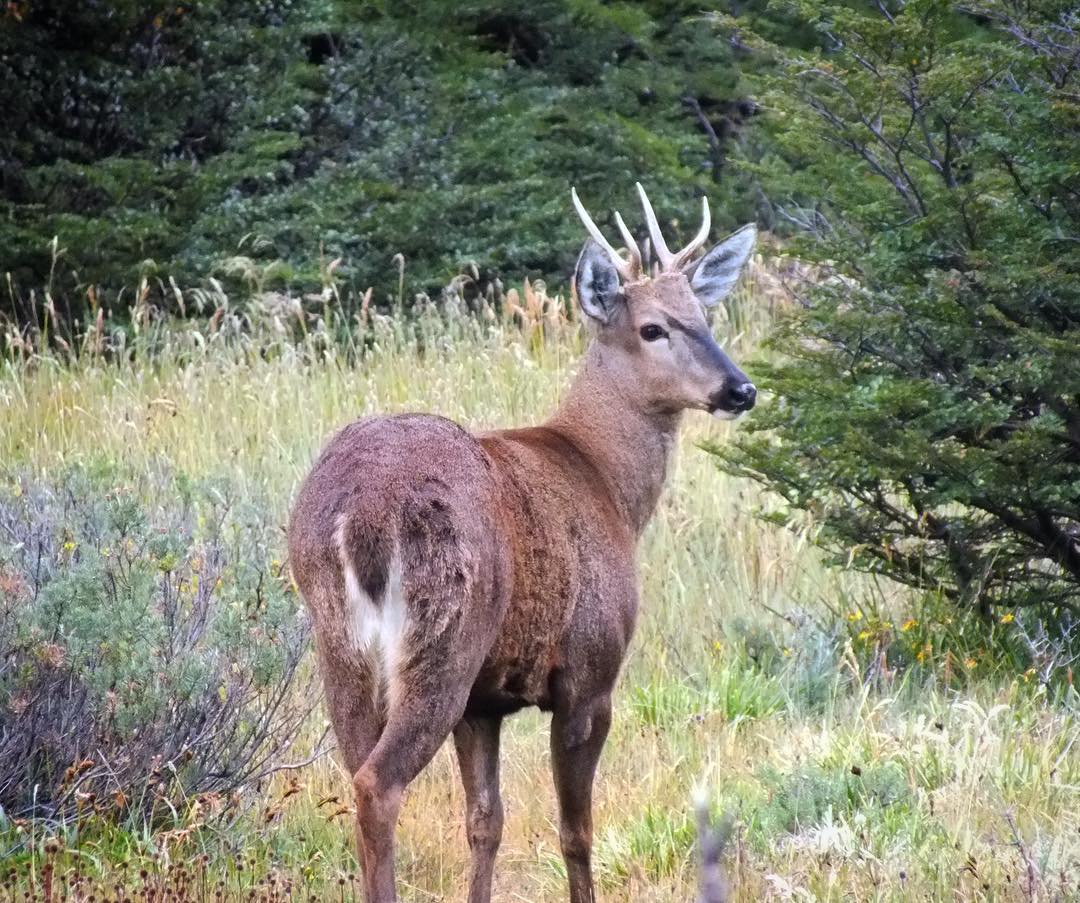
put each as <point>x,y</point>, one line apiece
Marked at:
<point>846,777</point>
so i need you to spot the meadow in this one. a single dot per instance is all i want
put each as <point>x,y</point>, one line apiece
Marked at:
<point>857,743</point>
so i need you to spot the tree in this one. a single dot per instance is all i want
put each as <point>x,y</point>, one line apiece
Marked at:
<point>926,404</point>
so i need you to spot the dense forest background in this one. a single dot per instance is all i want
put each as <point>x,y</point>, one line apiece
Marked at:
<point>158,140</point>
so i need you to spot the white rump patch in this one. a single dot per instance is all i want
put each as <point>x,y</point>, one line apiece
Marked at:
<point>375,627</point>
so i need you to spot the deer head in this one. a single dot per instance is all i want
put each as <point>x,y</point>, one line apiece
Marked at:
<point>654,336</point>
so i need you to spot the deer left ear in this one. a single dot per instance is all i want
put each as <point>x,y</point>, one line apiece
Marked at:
<point>597,282</point>
<point>714,276</point>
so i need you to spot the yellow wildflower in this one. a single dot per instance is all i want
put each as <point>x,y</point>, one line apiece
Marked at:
<point>1008,618</point>
<point>909,624</point>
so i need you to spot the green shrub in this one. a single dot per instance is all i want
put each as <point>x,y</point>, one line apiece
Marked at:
<point>926,405</point>
<point>807,796</point>
<point>147,653</point>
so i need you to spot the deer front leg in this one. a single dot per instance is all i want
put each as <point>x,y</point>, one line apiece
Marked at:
<point>577,737</point>
<point>477,743</point>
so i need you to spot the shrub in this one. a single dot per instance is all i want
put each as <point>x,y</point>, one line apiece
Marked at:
<point>147,653</point>
<point>809,795</point>
<point>927,404</point>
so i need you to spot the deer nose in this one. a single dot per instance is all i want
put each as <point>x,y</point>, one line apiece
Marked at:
<point>740,396</point>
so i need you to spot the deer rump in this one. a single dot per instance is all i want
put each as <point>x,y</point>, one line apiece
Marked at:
<point>440,551</point>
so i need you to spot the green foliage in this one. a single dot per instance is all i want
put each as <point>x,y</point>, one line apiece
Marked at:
<point>927,404</point>
<point>149,654</point>
<point>936,642</point>
<point>659,842</point>
<point>735,690</point>
<point>174,137</point>
<point>813,795</point>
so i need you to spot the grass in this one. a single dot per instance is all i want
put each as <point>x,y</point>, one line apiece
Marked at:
<point>751,679</point>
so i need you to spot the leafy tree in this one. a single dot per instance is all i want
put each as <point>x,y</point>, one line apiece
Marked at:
<point>927,392</point>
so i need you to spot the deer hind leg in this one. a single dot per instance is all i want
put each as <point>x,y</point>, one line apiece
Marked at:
<point>578,733</point>
<point>433,675</point>
<point>352,704</point>
<point>418,723</point>
<point>477,743</point>
<point>427,623</point>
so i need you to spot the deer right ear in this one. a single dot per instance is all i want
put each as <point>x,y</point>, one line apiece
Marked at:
<point>715,275</point>
<point>597,282</point>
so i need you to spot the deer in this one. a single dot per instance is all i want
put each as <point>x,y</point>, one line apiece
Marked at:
<point>454,578</point>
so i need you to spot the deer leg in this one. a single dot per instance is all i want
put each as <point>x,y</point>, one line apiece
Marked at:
<point>351,704</point>
<point>477,743</point>
<point>577,737</point>
<point>415,729</point>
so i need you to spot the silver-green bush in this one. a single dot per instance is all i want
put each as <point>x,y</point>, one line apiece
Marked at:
<point>147,652</point>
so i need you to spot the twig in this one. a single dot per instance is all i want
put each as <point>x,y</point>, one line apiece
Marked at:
<point>715,145</point>
<point>293,766</point>
<point>1032,876</point>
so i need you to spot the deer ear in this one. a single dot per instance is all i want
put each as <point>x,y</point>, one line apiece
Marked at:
<point>597,282</point>
<point>715,275</point>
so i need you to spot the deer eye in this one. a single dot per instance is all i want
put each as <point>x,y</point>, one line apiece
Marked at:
<point>650,332</point>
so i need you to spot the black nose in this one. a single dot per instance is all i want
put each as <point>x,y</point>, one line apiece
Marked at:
<point>740,396</point>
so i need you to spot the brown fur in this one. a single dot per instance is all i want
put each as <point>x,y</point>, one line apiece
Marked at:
<point>517,575</point>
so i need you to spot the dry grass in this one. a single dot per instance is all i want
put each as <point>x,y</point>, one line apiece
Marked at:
<point>844,781</point>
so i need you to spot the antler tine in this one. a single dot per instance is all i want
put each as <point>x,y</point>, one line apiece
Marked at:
<point>699,239</point>
<point>625,267</point>
<point>630,242</point>
<point>659,245</point>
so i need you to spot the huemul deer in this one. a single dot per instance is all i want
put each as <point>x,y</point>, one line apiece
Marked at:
<point>454,578</point>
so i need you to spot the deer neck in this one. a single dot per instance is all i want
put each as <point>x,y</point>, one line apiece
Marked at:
<point>629,445</point>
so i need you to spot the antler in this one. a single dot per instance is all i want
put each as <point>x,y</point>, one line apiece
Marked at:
<point>668,260</point>
<point>628,269</point>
